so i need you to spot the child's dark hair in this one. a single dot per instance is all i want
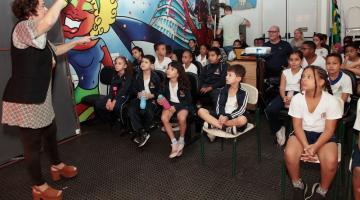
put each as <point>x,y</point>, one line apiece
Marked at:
<point>187,51</point>
<point>310,44</point>
<point>237,40</point>
<point>298,53</point>
<point>129,68</point>
<point>322,74</point>
<point>151,58</point>
<point>238,69</point>
<point>206,46</point>
<point>193,41</point>
<point>139,49</point>
<point>335,55</point>
<point>216,50</point>
<point>156,45</point>
<point>168,49</point>
<point>352,45</point>
<point>216,40</point>
<point>183,79</point>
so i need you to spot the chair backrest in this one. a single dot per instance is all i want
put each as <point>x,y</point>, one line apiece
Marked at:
<point>253,93</point>
<point>106,75</point>
<point>161,75</point>
<point>353,81</point>
<point>194,82</point>
<point>198,66</point>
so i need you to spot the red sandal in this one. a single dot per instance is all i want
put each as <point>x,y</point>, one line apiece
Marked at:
<point>49,194</point>
<point>66,172</point>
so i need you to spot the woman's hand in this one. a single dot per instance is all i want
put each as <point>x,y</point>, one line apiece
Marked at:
<point>83,40</point>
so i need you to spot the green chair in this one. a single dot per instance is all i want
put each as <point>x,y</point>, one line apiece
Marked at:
<point>252,101</point>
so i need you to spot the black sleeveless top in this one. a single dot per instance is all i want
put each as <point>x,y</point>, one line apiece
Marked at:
<point>31,73</point>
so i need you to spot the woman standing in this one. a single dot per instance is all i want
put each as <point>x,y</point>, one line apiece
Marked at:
<point>27,100</point>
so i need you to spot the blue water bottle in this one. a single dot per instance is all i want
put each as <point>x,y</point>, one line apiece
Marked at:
<point>142,102</point>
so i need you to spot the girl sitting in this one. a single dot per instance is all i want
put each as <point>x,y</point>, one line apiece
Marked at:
<point>315,113</point>
<point>177,90</point>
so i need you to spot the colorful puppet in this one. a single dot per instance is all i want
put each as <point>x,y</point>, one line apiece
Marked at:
<point>88,18</point>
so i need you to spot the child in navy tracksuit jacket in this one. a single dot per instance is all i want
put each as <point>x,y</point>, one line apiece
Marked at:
<point>177,91</point>
<point>108,108</point>
<point>212,76</point>
<point>146,86</point>
<point>231,104</point>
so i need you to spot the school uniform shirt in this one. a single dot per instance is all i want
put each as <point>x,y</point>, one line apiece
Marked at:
<point>163,65</point>
<point>177,95</point>
<point>213,75</point>
<point>319,61</point>
<point>342,84</point>
<point>328,108</point>
<point>222,103</point>
<point>192,68</point>
<point>202,61</point>
<point>122,84</point>
<point>292,80</point>
<point>321,52</point>
<point>357,121</point>
<point>153,84</point>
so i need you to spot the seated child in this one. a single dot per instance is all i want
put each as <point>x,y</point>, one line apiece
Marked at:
<point>138,54</point>
<point>217,43</point>
<point>340,82</point>
<point>187,59</point>
<point>141,112</point>
<point>177,91</point>
<point>232,55</point>
<point>161,61</point>
<point>212,75</point>
<point>202,57</point>
<point>231,104</point>
<point>355,166</point>
<point>315,113</point>
<point>289,86</point>
<point>108,108</point>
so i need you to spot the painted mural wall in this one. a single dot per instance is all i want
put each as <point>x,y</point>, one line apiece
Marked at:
<point>118,25</point>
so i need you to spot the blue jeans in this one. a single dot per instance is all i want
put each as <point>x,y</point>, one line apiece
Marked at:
<point>228,49</point>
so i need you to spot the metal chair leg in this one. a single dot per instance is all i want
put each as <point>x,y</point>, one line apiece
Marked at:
<point>202,148</point>
<point>257,116</point>
<point>222,144</point>
<point>283,179</point>
<point>234,158</point>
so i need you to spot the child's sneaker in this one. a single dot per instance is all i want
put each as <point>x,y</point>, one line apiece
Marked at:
<point>314,194</point>
<point>174,150</point>
<point>280,136</point>
<point>298,193</point>
<point>144,138</point>
<point>180,149</point>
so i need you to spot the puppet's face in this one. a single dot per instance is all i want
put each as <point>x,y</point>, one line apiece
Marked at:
<point>77,18</point>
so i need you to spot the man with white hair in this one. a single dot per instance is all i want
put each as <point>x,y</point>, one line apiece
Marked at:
<point>280,50</point>
<point>229,25</point>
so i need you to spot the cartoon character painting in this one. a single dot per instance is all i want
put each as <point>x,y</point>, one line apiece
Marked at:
<point>84,18</point>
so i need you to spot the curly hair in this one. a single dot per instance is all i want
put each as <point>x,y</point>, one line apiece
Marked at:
<point>23,9</point>
<point>104,15</point>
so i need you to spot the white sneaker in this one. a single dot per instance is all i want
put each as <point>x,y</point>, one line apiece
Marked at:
<point>211,137</point>
<point>180,149</point>
<point>174,150</point>
<point>280,136</point>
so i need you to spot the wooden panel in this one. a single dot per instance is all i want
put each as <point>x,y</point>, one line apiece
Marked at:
<point>250,67</point>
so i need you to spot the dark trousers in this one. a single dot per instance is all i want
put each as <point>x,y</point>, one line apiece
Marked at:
<point>141,119</point>
<point>272,112</point>
<point>106,115</point>
<point>32,140</point>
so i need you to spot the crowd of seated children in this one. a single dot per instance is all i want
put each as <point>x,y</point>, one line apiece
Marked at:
<point>314,115</point>
<point>289,86</point>
<point>108,108</point>
<point>310,57</point>
<point>170,54</point>
<point>202,57</point>
<point>137,53</point>
<point>355,165</point>
<point>212,76</point>
<point>217,43</point>
<point>340,82</point>
<point>146,88</point>
<point>320,50</point>
<point>161,61</point>
<point>176,90</point>
<point>187,59</point>
<point>228,112</point>
<point>352,59</point>
<point>232,55</point>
